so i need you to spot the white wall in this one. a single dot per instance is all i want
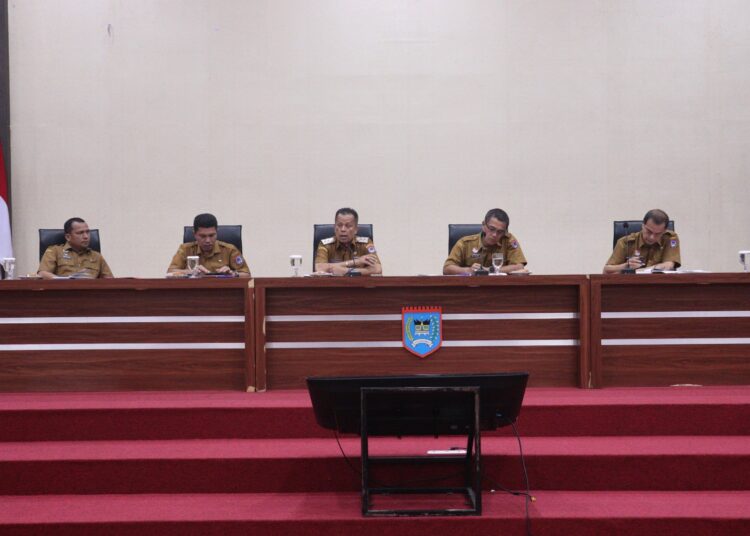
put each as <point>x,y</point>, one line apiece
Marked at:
<point>137,114</point>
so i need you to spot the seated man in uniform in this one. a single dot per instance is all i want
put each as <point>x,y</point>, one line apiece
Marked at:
<point>654,246</point>
<point>214,256</point>
<point>474,252</point>
<point>74,258</point>
<point>346,252</point>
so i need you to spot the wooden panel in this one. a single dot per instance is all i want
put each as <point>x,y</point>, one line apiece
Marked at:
<point>287,368</point>
<point>122,370</point>
<point>390,300</point>
<point>452,330</point>
<point>595,348</point>
<point>548,366</point>
<point>86,370</point>
<point>122,333</point>
<point>585,375</point>
<point>249,330</point>
<point>259,337</point>
<point>125,302</point>
<point>648,328</point>
<point>676,297</point>
<point>668,365</point>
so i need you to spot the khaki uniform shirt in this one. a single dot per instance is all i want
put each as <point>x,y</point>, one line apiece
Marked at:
<point>667,249</point>
<point>63,260</point>
<point>470,249</point>
<point>330,250</point>
<point>223,254</point>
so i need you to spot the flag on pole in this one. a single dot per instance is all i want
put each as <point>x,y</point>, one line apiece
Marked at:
<point>6,247</point>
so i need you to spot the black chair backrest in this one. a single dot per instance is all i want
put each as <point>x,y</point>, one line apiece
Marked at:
<point>224,233</point>
<point>456,231</point>
<point>625,227</point>
<point>53,237</point>
<point>325,230</point>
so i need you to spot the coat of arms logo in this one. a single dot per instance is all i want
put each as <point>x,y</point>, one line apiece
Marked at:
<point>422,329</point>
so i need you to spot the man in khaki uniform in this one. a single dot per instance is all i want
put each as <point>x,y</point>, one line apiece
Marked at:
<point>214,256</point>
<point>475,251</point>
<point>74,258</point>
<point>345,252</point>
<point>653,246</point>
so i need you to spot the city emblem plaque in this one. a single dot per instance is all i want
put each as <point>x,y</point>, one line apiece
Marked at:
<point>422,329</point>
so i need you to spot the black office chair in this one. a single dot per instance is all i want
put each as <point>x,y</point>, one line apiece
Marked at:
<point>53,237</point>
<point>224,233</point>
<point>326,230</point>
<point>625,227</point>
<point>456,231</point>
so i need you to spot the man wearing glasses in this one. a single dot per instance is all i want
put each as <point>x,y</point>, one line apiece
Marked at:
<point>474,252</point>
<point>653,246</point>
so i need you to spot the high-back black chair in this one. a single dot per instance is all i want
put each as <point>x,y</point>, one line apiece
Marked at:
<point>456,231</point>
<point>53,237</point>
<point>326,230</point>
<point>625,227</point>
<point>225,233</point>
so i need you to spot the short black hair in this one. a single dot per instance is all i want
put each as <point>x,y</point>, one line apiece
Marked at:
<point>204,221</point>
<point>498,214</point>
<point>658,216</point>
<point>68,227</point>
<point>346,211</point>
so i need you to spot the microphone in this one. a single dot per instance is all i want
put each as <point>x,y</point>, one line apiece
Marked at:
<point>627,269</point>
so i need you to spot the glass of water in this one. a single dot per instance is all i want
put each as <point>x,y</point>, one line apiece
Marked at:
<point>295,262</point>
<point>9,265</point>
<point>745,259</point>
<point>497,262</point>
<point>192,265</point>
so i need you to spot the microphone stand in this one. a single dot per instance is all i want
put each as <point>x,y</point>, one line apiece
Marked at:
<point>627,269</point>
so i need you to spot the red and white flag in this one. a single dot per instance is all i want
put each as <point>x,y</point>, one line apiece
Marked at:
<point>6,247</point>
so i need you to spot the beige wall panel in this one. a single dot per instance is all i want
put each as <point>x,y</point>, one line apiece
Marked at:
<point>136,115</point>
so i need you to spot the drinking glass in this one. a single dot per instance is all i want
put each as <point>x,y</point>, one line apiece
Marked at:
<point>744,259</point>
<point>192,265</point>
<point>9,265</point>
<point>497,262</point>
<point>296,263</point>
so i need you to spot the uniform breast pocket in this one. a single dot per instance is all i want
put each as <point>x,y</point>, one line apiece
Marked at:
<point>90,265</point>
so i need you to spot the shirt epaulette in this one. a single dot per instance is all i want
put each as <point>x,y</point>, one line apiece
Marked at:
<point>327,241</point>
<point>363,239</point>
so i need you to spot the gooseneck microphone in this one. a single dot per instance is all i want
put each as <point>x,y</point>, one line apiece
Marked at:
<point>627,269</point>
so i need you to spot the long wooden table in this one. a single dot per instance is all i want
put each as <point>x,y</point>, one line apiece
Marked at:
<point>666,329</point>
<point>352,326</point>
<point>271,333</point>
<point>124,334</point>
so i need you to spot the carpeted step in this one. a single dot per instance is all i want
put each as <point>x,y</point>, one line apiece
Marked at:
<point>555,513</point>
<point>287,414</point>
<point>297,465</point>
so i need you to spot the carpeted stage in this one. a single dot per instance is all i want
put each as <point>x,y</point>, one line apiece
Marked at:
<point>611,461</point>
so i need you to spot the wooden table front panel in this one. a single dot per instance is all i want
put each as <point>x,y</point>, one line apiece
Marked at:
<point>529,323</point>
<point>123,334</point>
<point>667,329</point>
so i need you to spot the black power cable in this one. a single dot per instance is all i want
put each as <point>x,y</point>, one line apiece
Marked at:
<point>529,498</point>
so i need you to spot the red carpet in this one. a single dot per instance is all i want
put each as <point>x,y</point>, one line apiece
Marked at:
<point>614,461</point>
<point>554,513</point>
